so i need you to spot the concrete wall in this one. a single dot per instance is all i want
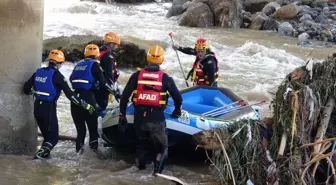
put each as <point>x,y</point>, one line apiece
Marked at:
<point>21,29</point>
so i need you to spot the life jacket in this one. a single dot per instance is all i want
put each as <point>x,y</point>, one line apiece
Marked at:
<point>115,71</point>
<point>164,70</point>
<point>149,89</point>
<point>101,53</point>
<point>81,76</point>
<point>43,85</point>
<point>198,77</point>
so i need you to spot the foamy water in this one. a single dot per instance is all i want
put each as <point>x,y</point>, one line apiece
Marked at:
<point>251,62</point>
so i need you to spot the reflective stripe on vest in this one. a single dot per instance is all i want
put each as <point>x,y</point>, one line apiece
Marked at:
<point>43,85</point>
<point>198,77</point>
<point>81,77</point>
<point>149,89</point>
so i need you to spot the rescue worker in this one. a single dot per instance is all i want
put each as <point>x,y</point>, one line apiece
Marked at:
<point>108,64</point>
<point>205,68</point>
<point>149,87</point>
<point>83,79</point>
<point>47,83</point>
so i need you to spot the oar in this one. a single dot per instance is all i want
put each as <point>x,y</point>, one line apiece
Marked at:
<point>236,102</point>
<point>171,36</point>
<point>227,110</point>
<point>235,109</point>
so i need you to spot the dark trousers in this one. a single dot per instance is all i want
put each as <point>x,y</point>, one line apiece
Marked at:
<point>101,96</point>
<point>83,118</point>
<point>46,117</point>
<point>150,133</point>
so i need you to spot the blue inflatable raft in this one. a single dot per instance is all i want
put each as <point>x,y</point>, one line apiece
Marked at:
<point>203,108</point>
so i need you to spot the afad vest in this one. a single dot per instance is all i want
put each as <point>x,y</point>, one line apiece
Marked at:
<point>149,90</point>
<point>81,77</point>
<point>198,77</point>
<point>115,71</point>
<point>43,85</point>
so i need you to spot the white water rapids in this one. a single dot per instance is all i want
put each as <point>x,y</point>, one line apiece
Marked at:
<point>251,62</point>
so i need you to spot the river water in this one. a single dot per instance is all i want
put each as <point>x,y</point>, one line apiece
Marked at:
<point>251,64</point>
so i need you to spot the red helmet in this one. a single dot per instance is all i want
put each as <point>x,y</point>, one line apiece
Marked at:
<point>201,44</point>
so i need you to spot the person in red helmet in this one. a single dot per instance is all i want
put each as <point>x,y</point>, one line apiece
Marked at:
<point>205,68</point>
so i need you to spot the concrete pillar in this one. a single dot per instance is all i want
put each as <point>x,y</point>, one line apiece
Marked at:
<point>21,30</point>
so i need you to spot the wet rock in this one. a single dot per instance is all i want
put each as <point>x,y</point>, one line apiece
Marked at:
<point>330,12</point>
<point>301,29</point>
<point>303,36</point>
<point>197,15</point>
<point>128,54</point>
<point>186,5</point>
<point>227,13</point>
<point>258,21</point>
<point>310,3</point>
<point>306,17</point>
<point>326,9</point>
<point>247,18</point>
<point>307,10</point>
<point>205,13</point>
<point>286,29</point>
<point>177,8</point>
<point>304,8</point>
<point>270,8</point>
<point>254,6</point>
<point>270,24</point>
<point>123,1</point>
<point>287,12</point>
<point>333,16</point>
<point>322,18</point>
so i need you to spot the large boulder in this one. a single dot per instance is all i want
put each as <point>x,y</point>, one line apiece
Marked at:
<point>205,13</point>
<point>123,1</point>
<point>270,24</point>
<point>270,8</point>
<point>128,54</point>
<point>177,8</point>
<point>254,6</point>
<point>227,13</point>
<point>286,29</point>
<point>197,15</point>
<point>258,21</point>
<point>287,12</point>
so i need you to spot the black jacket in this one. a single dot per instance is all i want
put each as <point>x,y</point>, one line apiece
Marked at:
<point>208,64</point>
<point>168,84</point>
<point>107,64</point>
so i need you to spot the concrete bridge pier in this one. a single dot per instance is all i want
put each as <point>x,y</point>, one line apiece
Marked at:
<point>21,31</point>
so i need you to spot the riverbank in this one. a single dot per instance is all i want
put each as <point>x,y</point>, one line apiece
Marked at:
<point>306,20</point>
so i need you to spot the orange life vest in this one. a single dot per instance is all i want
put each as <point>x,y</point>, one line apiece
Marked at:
<point>198,77</point>
<point>149,89</point>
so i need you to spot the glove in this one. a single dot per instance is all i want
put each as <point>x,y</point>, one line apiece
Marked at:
<point>87,106</point>
<point>176,113</point>
<point>122,123</point>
